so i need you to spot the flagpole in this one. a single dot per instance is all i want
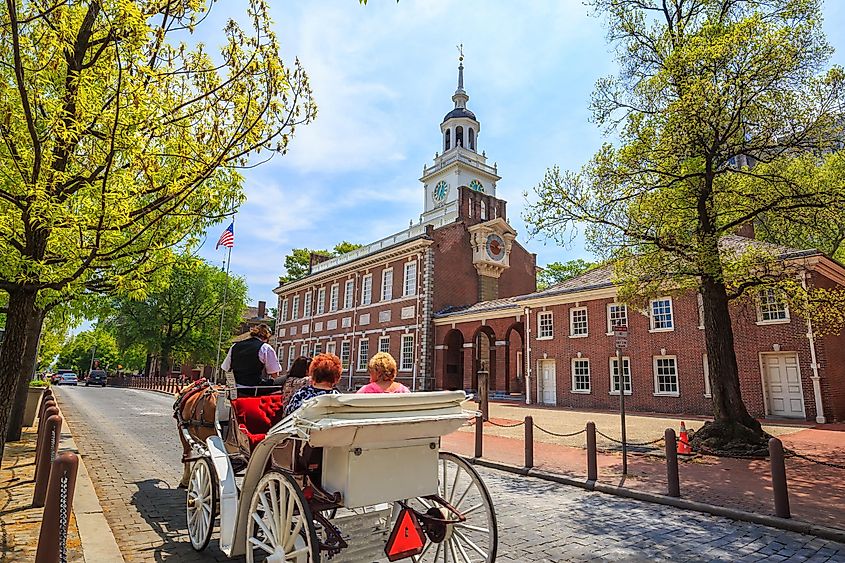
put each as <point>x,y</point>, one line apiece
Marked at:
<point>222,315</point>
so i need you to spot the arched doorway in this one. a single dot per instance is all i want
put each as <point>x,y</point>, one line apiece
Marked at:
<point>453,374</point>
<point>514,359</point>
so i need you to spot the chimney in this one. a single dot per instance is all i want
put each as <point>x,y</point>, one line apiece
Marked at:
<point>746,230</point>
<point>314,259</point>
<point>262,307</point>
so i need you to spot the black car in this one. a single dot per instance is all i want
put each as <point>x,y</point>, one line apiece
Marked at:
<point>96,377</point>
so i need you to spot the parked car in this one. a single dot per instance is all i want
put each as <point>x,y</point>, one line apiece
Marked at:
<point>55,378</point>
<point>67,379</point>
<point>96,377</point>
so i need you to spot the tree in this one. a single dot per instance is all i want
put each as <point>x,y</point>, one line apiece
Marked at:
<point>79,350</point>
<point>558,272</point>
<point>706,87</point>
<point>297,263</point>
<point>120,141</point>
<point>182,318</point>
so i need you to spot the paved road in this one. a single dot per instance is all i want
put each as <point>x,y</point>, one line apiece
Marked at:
<point>131,449</point>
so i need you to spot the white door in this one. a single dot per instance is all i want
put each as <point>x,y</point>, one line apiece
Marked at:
<point>783,385</point>
<point>548,382</point>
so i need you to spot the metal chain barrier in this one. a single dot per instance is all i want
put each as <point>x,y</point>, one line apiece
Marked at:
<point>63,520</point>
<point>792,453</point>
<point>506,425</point>
<point>603,435</point>
<point>557,435</point>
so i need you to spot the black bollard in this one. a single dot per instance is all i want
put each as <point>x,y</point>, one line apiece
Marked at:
<point>529,442</point>
<point>592,461</point>
<point>779,487</point>
<point>672,477</point>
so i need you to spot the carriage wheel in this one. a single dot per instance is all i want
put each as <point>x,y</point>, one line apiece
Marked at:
<point>201,503</point>
<point>281,527</point>
<point>472,541</point>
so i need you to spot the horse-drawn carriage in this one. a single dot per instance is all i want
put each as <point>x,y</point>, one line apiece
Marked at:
<point>343,478</point>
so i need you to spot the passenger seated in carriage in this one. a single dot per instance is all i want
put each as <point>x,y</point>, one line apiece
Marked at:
<point>382,368</point>
<point>254,364</point>
<point>297,378</point>
<point>325,370</point>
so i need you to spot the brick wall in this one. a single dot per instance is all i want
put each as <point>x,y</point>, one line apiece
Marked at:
<point>830,355</point>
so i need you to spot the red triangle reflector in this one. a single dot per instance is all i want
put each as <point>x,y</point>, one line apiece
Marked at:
<point>407,537</point>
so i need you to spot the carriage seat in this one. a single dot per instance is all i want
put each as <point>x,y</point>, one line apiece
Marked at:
<point>256,415</point>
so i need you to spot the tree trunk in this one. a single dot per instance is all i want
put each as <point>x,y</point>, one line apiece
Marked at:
<point>149,365</point>
<point>164,364</point>
<point>21,308</point>
<point>733,430</point>
<point>30,356</point>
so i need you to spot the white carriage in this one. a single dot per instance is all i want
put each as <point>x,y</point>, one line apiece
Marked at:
<point>343,478</point>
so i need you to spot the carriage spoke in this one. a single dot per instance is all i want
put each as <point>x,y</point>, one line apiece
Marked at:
<point>454,483</point>
<point>473,509</point>
<point>463,496</point>
<point>293,535</point>
<point>274,515</point>
<point>267,534</point>
<point>464,555</point>
<point>469,542</point>
<point>478,529</point>
<point>453,551</point>
<point>268,515</point>
<point>258,543</point>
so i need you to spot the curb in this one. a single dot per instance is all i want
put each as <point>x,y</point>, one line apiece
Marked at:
<point>95,534</point>
<point>816,530</point>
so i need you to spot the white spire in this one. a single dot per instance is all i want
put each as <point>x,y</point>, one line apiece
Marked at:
<point>460,97</point>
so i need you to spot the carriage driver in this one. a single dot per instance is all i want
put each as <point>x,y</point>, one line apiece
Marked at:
<point>254,364</point>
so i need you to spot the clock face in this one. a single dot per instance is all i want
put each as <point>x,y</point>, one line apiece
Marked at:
<point>476,186</point>
<point>495,247</point>
<point>440,191</point>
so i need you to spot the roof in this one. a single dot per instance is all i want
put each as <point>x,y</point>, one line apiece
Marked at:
<point>460,112</point>
<point>602,277</point>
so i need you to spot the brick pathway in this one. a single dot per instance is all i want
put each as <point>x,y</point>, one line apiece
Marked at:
<point>133,457</point>
<point>19,523</point>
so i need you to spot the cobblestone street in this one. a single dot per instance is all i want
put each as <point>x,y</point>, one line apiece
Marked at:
<point>130,446</point>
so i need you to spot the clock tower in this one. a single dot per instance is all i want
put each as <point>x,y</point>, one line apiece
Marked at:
<point>459,164</point>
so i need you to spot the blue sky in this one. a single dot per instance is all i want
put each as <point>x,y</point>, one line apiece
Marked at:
<point>383,76</point>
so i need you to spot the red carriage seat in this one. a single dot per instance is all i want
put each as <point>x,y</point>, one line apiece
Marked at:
<point>256,415</point>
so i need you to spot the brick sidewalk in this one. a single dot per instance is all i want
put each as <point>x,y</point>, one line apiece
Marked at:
<point>19,523</point>
<point>817,492</point>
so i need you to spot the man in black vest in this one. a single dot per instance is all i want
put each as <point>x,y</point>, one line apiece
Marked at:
<point>254,364</point>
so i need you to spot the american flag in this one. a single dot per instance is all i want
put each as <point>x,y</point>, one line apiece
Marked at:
<point>227,239</point>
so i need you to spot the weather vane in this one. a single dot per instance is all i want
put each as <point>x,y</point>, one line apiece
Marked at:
<point>461,51</point>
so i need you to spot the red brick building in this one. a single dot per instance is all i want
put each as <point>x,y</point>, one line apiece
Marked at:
<point>455,294</point>
<point>570,360</point>
<point>383,296</point>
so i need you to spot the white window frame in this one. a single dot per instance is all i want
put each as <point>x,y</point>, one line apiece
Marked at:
<point>406,353</point>
<point>292,355</point>
<point>545,325</point>
<point>409,286</point>
<point>657,392</point>
<point>318,348</point>
<point>363,354</point>
<point>331,347</point>
<point>321,300</point>
<point>572,333</point>
<point>345,352</point>
<point>303,350</point>
<point>280,354</point>
<point>387,284</point>
<point>706,365</point>
<point>284,314</point>
<point>349,294</point>
<point>367,289</point>
<point>652,327</point>
<point>626,363</point>
<point>306,304</point>
<point>610,321</point>
<point>589,388</point>
<point>699,299</point>
<point>381,341</point>
<point>333,297</point>
<point>772,305</point>
<point>294,308</point>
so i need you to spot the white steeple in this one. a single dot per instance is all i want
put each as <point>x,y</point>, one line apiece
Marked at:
<point>459,163</point>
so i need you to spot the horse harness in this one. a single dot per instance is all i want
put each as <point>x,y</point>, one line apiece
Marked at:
<point>200,386</point>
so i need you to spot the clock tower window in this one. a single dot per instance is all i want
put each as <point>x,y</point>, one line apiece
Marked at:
<point>471,145</point>
<point>447,140</point>
<point>459,136</point>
